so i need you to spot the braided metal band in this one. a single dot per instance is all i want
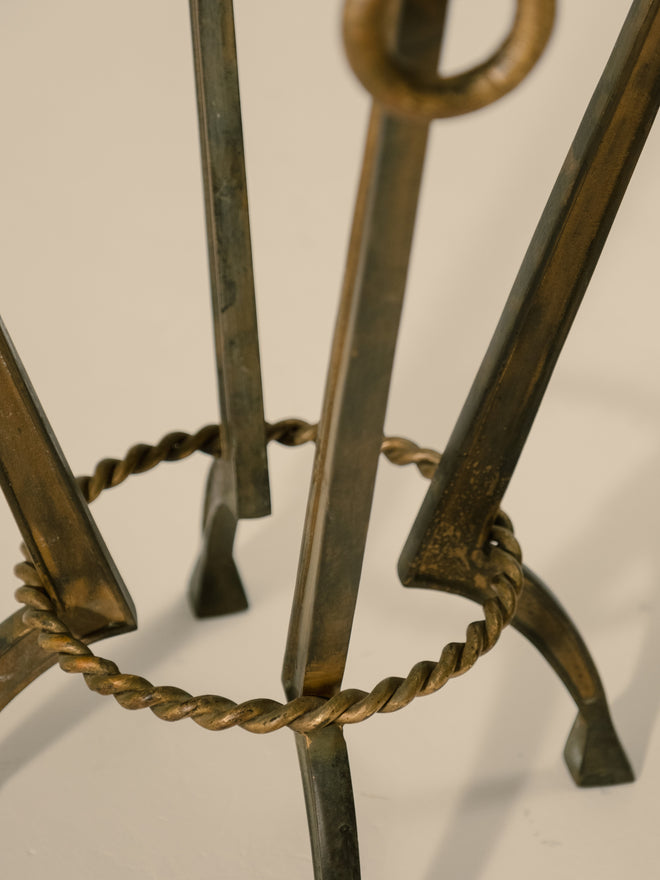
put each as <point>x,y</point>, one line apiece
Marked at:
<point>305,713</point>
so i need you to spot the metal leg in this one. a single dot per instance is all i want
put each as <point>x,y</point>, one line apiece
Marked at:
<point>21,658</point>
<point>238,486</point>
<point>326,779</point>
<point>62,539</point>
<point>216,586</point>
<point>445,546</point>
<point>593,751</point>
<point>491,431</point>
<point>348,445</point>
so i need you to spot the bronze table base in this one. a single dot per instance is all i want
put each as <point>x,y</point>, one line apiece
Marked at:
<point>461,541</point>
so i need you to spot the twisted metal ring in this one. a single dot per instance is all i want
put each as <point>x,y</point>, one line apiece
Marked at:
<point>403,92</point>
<point>302,714</point>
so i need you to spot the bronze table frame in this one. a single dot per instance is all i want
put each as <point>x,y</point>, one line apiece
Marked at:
<point>460,542</point>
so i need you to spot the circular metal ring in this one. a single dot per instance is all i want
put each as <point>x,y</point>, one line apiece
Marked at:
<point>403,92</point>
<point>306,713</point>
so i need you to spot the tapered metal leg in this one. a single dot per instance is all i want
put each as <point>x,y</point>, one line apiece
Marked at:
<point>348,444</point>
<point>64,544</point>
<point>21,658</point>
<point>446,545</point>
<point>328,791</point>
<point>241,490</point>
<point>215,586</point>
<point>593,752</point>
<point>485,445</point>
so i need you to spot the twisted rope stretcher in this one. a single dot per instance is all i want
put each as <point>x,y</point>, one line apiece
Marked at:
<point>305,713</point>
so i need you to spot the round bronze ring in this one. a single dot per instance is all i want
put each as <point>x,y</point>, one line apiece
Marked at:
<point>401,91</point>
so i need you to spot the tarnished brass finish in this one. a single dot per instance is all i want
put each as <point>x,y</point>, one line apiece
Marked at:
<point>461,541</point>
<point>305,714</point>
<point>238,485</point>
<point>351,426</point>
<point>68,552</point>
<point>498,414</point>
<point>409,88</point>
<point>444,547</point>
<point>326,778</point>
<point>593,753</point>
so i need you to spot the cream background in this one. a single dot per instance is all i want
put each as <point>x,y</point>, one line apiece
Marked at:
<point>103,286</point>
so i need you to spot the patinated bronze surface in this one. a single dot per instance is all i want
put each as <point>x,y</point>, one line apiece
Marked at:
<point>238,485</point>
<point>305,714</point>
<point>461,542</point>
<point>63,542</point>
<point>448,537</point>
<point>350,434</point>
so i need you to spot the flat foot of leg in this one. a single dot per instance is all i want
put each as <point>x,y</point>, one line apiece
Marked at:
<point>215,586</point>
<point>593,752</point>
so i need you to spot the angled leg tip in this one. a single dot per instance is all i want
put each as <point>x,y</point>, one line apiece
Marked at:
<point>215,586</point>
<point>593,752</point>
<point>211,598</point>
